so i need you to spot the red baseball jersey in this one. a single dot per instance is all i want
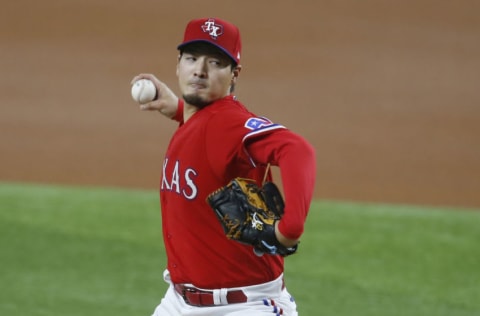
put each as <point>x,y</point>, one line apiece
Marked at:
<point>218,143</point>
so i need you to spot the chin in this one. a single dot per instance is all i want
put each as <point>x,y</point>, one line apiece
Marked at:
<point>196,100</point>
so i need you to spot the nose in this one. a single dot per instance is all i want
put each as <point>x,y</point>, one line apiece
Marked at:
<point>201,67</point>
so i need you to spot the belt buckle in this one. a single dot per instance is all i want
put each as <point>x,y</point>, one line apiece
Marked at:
<point>190,289</point>
<point>199,293</point>
<point>185,296</point>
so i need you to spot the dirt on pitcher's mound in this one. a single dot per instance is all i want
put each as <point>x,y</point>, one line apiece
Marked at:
<point>386,93</point>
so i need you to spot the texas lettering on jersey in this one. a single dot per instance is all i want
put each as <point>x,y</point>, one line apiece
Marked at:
<point>180,180</point>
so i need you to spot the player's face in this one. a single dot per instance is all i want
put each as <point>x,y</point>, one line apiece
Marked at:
<point>204,76</point>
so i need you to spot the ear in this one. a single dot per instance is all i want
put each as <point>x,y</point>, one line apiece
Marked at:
<point>236,73</point>
<point>236,70</point>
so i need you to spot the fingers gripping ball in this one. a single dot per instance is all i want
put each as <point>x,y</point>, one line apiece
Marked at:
<point>144,91</point>
<point>248,214</point>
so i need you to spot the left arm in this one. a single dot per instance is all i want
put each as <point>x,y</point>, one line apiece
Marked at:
<point>296,159</point>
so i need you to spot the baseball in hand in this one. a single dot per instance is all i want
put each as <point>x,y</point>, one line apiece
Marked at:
<point>143,91</point>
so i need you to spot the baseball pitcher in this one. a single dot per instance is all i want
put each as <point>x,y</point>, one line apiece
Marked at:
<point>227,228</point>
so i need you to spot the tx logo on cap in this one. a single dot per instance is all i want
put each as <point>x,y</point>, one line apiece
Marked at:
<point>214,30</point>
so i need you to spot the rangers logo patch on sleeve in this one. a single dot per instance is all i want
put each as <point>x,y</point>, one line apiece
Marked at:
<point>255,123</point>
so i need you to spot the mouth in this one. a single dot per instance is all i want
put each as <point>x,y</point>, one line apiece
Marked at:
<point>197,85</point>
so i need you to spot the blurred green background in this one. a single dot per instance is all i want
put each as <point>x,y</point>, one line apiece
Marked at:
<point>78,251</point>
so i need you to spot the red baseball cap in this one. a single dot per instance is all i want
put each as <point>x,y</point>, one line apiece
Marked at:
<point>217,32</point>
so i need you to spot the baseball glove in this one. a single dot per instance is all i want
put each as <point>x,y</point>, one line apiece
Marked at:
<point>248,214</point>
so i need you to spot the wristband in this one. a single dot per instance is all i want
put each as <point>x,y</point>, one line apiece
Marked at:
<point>179,114</point>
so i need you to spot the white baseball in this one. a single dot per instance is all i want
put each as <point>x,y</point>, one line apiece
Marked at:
<point>143,91</point>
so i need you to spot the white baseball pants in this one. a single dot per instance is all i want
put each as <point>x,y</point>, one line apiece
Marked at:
<point>266,299</point>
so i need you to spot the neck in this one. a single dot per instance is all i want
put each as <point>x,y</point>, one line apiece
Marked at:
<point>188,111</point>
